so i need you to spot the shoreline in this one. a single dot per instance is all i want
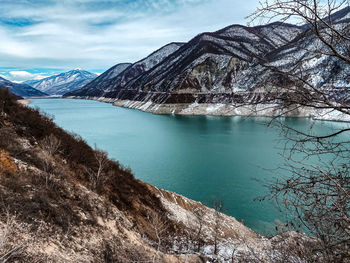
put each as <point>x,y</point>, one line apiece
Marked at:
<point>222,110</point>
<point>24,102</point>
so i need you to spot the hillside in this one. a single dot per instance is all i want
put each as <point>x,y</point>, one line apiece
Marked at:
<point>64,82</point>
<point>21,90</point>
<point>63,201</point>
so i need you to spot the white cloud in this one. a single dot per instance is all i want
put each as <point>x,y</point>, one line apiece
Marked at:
<point>21,75</point>
<point>72,33</point>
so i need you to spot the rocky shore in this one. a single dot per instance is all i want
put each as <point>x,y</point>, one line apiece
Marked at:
<point>222,109</point>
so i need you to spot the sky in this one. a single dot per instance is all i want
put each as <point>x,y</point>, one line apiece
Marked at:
<point>39,38</point>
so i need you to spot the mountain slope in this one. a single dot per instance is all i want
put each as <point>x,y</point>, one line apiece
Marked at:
<point>208,61</point>
<point>55,209</point>
<point>21,90</point>
<point>304,56</point>
<point>64,82</point>
<point>105,83</point>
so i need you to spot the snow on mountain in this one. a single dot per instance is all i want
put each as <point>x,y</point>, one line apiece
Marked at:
<point>207,63</point>
<point>108,80</point>
<point>64,82</point>
<point>94,87</point>
<point>305,51</point>
<point>178,66</point>
<point>222,67</point>
<point>114,71</point>
<point>22,90</point>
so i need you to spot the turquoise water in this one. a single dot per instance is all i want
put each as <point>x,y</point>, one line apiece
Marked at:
<point>200,157</point>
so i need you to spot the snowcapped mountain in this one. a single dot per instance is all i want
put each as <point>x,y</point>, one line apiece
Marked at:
<point>222,67</point>
<point>64,82</point>
<point>207,63</point>
<point>210,60</point>
<point>305,50</point>
<point>114,71</point>
<point>94,87</point>
<point>22,90</point>
<point>109,80</point>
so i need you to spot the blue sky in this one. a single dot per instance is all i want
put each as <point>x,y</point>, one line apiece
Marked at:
<point>39,38</point>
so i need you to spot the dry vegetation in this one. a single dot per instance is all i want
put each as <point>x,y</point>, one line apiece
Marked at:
<point>60,190</point>
<point>62,201</point>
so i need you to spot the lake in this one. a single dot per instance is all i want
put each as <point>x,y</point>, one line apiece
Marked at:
<point>200,157</point>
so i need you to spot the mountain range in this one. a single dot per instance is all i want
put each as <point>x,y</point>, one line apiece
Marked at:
<point>211,72</point>
<point>19,89</point>
<point>121,74</point>
<point>63,83</point>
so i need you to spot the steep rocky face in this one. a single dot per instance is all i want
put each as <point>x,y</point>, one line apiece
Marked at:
<point>64,82</point>
<point>21,90</point>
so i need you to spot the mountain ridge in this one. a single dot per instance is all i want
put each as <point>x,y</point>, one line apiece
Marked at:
<point>205,43</point>
<point>216,71</point>
<point>64,82</point>
<point>20,89</point>
<point>101,84</point>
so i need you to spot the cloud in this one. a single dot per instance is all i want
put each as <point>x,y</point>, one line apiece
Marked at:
<point>97,34</point>
<point>21,75</point>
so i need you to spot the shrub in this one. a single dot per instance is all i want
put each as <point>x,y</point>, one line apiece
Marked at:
<point>6,162</point>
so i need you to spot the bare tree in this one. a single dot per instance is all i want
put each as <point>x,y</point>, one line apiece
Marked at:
<point>282,248</point>
<point>198,213</point>
<point>8,250</point>
<point>47,164</point>
<point>101,158</point>
<point>314,183</point>
<point>51,144</point>
<point>325,36</point>
<point>218,206</point>
<point>160,227</point>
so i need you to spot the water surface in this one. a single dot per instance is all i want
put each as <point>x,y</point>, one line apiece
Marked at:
<point>200,157</point>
